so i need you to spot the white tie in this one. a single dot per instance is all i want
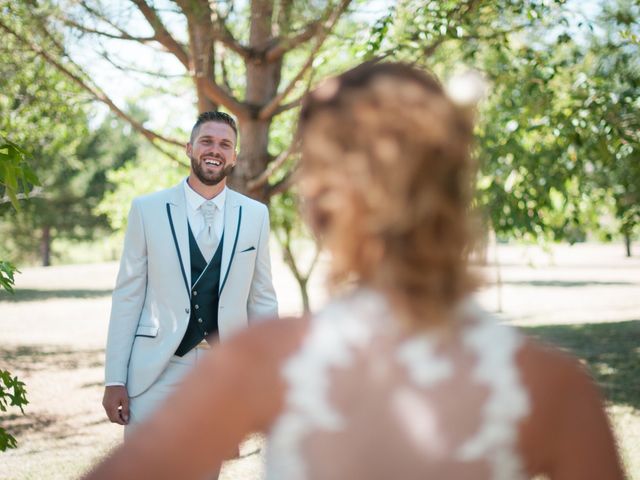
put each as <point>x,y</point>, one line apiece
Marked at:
<point>207,240</point>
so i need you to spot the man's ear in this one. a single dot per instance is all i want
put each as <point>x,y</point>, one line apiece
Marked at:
<point>188,149</point>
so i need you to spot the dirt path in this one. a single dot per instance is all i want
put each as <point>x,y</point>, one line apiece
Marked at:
<point>52,334</point>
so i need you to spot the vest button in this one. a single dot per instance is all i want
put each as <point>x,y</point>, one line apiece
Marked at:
<point>197,307</point>
<point>195,292</point>
<point>199,320</point>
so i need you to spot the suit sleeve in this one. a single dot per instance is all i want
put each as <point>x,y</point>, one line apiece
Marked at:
<point>262,303</point>
<point>127,300</point>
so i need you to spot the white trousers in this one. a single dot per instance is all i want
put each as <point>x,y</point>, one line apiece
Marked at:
<point>142,406</point>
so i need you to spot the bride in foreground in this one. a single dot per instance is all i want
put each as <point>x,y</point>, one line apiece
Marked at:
<point>401,375</point>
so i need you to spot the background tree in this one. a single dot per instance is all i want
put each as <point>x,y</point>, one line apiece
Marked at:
<point>557,136</point>
<point>264,40</point>
<point>16,180</point>
<point>541,176</point>
<point>45,114</point>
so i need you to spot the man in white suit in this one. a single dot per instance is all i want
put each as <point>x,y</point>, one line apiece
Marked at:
<point>195,267</point>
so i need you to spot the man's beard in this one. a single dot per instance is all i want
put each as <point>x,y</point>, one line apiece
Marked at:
<point>209,178</point>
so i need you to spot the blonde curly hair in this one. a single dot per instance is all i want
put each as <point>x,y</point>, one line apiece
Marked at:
<point>385,180</point>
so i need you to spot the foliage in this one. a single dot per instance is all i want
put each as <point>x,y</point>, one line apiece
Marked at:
<point>46,116</point>
<point>15,178</point>
<point>300,251</point>
<point>15,174</point>
<point>12,394</point>
<point>72,159</point>
<point>557,136</point>
<point>133,179</point>
<point>7,272</point>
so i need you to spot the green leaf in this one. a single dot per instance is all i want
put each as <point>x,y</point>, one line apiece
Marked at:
<point>12,394</point>
<point>7,272</point>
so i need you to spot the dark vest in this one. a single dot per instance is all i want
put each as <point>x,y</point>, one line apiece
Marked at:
<point>205,283</point>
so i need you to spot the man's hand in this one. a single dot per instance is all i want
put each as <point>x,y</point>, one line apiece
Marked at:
<point>116,404</point>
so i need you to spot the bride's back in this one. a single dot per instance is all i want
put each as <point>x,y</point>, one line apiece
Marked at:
<point>405,378</point>
<point>366,400</point>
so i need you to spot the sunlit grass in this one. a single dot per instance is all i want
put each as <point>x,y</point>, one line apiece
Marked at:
<point>611,352</point>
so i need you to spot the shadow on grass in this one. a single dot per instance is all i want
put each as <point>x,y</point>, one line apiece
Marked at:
<point>29,358</point>
<point>19,425</point>
<point>566,283</point>
<point>33,295</point>
<point>610,350</point>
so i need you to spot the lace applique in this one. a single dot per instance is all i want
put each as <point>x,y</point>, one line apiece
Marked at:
<point>507,403</point>
<point>334,334</point>
<point>351,330</point>
<point>425,368</point>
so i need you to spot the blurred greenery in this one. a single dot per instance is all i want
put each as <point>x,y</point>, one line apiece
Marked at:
<point>557,135</point>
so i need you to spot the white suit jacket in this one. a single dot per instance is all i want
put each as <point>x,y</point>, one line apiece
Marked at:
<point>151,299</point>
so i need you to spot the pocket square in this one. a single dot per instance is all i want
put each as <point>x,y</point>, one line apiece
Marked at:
<point>248,249</point>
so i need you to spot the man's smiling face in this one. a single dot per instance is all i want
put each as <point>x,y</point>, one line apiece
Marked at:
<point>212,152</point>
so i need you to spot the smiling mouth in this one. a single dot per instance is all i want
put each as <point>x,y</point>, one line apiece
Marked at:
<point>212,162</point>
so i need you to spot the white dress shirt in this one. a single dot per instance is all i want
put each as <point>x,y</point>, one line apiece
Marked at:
<point>195,216</point>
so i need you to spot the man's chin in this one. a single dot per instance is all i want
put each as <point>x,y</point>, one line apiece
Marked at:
<point>211,181</point>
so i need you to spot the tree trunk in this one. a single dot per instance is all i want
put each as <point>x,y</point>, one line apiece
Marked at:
<point>253,157</point>
<point>45,246</point>
<point>262,83</point>
<point>304,293</point>
<point>627,243</point>
<point>201,43</point>
<point>496,259</point>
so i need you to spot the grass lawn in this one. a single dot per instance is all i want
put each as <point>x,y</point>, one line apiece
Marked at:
<point>584,298</point>
<point>611,351</point>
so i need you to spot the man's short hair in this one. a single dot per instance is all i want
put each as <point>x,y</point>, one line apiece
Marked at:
<point>213,116</point>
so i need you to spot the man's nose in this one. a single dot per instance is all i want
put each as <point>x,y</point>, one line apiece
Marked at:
<point>214,148</point>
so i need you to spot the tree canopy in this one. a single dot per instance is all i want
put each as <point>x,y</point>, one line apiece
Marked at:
<point>557,135</point>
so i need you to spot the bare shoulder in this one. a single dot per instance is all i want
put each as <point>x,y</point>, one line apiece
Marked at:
<point>567,434</point>
<point>545,367</point>
<point>253,360</point>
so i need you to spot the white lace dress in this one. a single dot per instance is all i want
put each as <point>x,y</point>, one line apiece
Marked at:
<point>364,402</point>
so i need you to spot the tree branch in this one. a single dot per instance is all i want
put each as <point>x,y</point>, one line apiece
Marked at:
<point>123,35</point>
<point>224,36</point>
<point>129,68</point>
<point>225,75</point>
<point>262,179</point>
<point>269,110</point>
<point>325,22</point>
<point>95,92</point>
<point>288,106</point>
<point>126,35</point>
<point>282,186</point>
<point>201,33</point>
<point>162,35</point>
<point>220,96</point>
<point>295,103</point>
